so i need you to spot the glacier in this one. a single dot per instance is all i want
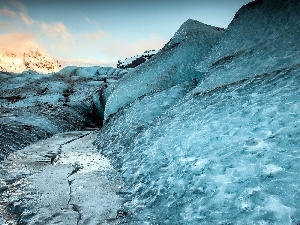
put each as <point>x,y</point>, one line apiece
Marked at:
<point>206,131</point>
<point>227,151</point>
<point>36,106</point>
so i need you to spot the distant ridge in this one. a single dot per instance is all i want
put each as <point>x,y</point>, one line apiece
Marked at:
<point>136,60</point>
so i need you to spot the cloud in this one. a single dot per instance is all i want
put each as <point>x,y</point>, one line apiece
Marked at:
<point>26,19</point>
<point>91,21</point>
<point>19,5</point>
<point>120,48</point>
<point>95,37</point>
<point>16,22</point>
<point>56,30</point>
<point>7,12</point>
<point>22,32</point>
<point>21,13</point>
<point>88,62</point>
<point>18,43</point>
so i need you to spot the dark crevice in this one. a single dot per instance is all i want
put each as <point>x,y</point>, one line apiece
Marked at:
<point>52,156</point>
<point>76,167</point>
<point>56,156</point>
<point>9,217</point>
<point>229,58</point>
<point>70,192</point>
<point>94,117</point>
<point>76,208</point>
<point>14,98</point>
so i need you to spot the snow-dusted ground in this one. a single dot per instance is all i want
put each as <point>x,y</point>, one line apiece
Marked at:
<point>60,180</point>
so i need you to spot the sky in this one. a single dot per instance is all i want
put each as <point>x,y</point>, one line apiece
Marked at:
<point>103,31</point>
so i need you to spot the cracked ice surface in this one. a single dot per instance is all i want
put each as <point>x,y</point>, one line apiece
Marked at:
<point>50,190</point>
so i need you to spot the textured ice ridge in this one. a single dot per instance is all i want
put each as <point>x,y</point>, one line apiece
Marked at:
<point>228,152</point>
<point>172,65</point>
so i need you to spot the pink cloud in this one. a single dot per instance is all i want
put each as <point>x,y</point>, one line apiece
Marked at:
<point>16,43</point>
<point>17,19</point>
<point>60,41</point>
<point>23,32</point>
<point>7,12</point>
<point>56,30</point>
<point>26,19</point>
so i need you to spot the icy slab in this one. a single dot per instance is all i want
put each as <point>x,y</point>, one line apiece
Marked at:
<point>92,72</point>
<point>139,115</point>
<point>2,221</point>
<point>172,65</point>
<point>66,71</point>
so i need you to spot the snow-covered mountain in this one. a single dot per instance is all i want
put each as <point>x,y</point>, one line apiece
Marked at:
<point>136,60</point>
<point>31,59</point>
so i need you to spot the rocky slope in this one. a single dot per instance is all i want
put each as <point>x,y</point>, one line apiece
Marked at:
<point>32,59</point>
<point>136,60</point>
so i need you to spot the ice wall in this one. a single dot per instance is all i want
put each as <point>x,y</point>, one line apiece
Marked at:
<point>172,65</point>
<point>227,153</point>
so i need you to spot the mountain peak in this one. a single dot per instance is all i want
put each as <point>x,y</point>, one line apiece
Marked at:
<point>191,26</point>
<point>193,30</point>
<point>32,58</point>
